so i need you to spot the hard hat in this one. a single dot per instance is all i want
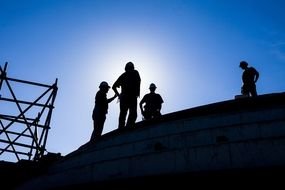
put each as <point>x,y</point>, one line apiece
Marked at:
<point>152,85</point>
<point>129,66</point>
<point>104,84</point>
<point>243,63</point>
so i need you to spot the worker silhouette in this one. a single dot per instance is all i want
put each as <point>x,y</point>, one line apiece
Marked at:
<point>129,82</point>
<point>100,110</point>
<point>249,78</point>
<point>152,103</point>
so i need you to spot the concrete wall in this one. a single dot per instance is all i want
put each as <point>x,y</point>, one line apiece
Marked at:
<point>225,139</point>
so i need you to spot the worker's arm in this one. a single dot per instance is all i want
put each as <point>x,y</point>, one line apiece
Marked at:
<point>111,99</point>
<point>256,76</point>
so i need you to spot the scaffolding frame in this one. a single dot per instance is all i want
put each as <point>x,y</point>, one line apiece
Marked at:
<point>20,135</point>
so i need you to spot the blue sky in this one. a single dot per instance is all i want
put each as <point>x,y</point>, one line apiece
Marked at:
<point>190,49</point>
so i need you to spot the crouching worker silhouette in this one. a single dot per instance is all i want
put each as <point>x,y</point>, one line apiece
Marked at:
<point>100,110</point>
<point>152,103</point>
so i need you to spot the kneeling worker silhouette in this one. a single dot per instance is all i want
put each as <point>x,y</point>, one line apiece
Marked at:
<point>152,103</point>
<point>100,110</point>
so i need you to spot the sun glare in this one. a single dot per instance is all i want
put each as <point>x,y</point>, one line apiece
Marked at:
<point>145,58</point>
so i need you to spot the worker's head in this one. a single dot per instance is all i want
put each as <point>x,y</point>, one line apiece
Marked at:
<point>104,86</point>
<point>152,87</point>
<point>243,64</point>
<point>129,66</point>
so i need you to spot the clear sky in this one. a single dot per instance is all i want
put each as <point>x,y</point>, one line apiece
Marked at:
<point>190,49</point>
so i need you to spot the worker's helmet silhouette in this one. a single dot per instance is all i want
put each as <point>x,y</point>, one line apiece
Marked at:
<point>152,85</point>
<point>243,64</point>
<point>129,66</point>
<point>104,84</point>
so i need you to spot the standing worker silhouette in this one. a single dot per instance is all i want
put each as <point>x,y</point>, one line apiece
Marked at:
<point>152,103</point>
<point>129,82</point>
<point>249,78</point>
<point>100,110</point>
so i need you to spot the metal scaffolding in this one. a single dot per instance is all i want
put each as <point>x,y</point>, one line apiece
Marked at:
<point>24,123</point>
